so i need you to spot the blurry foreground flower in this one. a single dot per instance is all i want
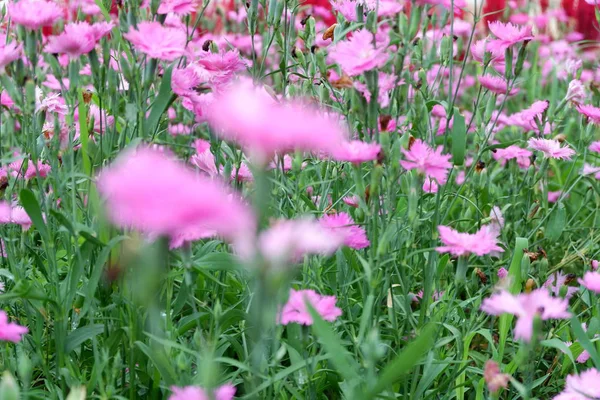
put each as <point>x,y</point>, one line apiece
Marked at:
<point>342,224</point>
<point>295,310</point>
<point>482,242</point>
<point>179,7</point>
<point>584,386</point>
<point>34,14</point>
<point>591,281</point>
<point>9,331</point>
<point>356,152</point>
<point>225,392</point>
<point>493,378</point>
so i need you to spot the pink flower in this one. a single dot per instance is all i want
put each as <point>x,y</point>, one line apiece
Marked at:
<point>9,52</point>
<point>595,146</point>
<point>352,201</point>
<point>179,7</point>
<point>591,281</point>
<point>354,236</point>
<point>576,92</point>
<point>157,41</point>
<point>496,84</point>
<point>481,47</point>
<point>14,215</point>
<point>551,148</point>
<point>432,163</point>
<point>88,7</point>
<point>508,35</point>
<point>593,113</point>
<point>502,273</point>
<point>482,242</point>
<point>204,159</point>
<point>356,152</point>
<point>150,191</point>
<point>527,118</point>
<point>493,378</point>
<point>9,331</point>
<point>522,156</point>
<point>295,310</point>
<point>526,306</point>
<point>595,265</point>
<point>252,118</point>
<point>358,54</point>
<point>584,386</point>
<point>33,170</point>
<point>221,66</point>
<point>556,282</point>
<point>445,3</point>
<point>34,14</point>
<point>225,392</point>
<point>52,103</point>
<point>554,196</point>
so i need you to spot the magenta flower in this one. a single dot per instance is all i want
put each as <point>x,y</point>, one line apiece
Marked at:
<point>157,41</point>
<point>251,117</point>
<point>358,54</point>
<point>356,152</point>
<point>496,84</point>
<point>502,273</point>
<point>179,7</point>
<point>342,224</point>
<point>225,392</point>
<point>185,200</point>
<point>584,386</point>
<point>295,310</point>
<point>482,242</point>
<point>595,146</point>
<point>522,156</point>
<point>507,35</point>
<point>9,52</point>
<point>525,307</point>
<point>593,113</point>
<point>527,118</point>
<point>432,163</point>
<point>555,282</point>
<point>204,159</point>
<point>9,331</point>
<point>14,215</point>
<point>591,281</point>
<point>77,39</point>
<point>493,378</point>
<point>554,196</point>
<point>551,148</point>
<point>221,67</point>
<point>34,14</point>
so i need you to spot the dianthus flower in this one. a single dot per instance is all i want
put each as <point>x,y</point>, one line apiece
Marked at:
<point>295,310</point>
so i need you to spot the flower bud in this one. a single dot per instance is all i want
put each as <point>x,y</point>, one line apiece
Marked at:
<point>575,92</point>
<point>9,390</point>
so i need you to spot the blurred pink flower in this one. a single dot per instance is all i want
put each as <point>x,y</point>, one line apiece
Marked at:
<point>9,51</point>
<point>179,7</point>
<point>430,185</point>
<point>525,307</point>
<point>34,14</point>
<point>14,215</point>
<point>496,84</point>
<point>88,7</point>
<point>502,273</point>
<point>33,170</point>
<point>493,378</point>
<point>342,224</point>
<point>527,118</point>
<point>593,113</point>
<point>9,331</point>
<point>555,282</point>
<point>591,281</point>
<point>481,47</point>
<point>482,242</point>
<point>595,265</point>
<point>221,66</point>
<point>296,311</point>
<point>595,146</point>
<point>358,54</point>
<point>356,151</point>
<point>152,192</point>
<point>522,156</point>
<point>575,92</point>
<point>445,3</point>
<point>584,386</point>
<point>157,41</point>
<point>432,163</point>
<point>554,196</point>
<point>52,103</point>
<point>551,148</point>
<point>507,35</point>
<point>225,392</point>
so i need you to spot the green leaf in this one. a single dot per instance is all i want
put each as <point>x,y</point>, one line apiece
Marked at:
<point>161,362</point>
<point>585,342</point>
<point>32,207</point>
<point>459,138</point>
<point>80,335</point>
<point>556,223</point>
<point>161,103</point>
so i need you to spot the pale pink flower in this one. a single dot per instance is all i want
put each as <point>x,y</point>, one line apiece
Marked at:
<point>551,148</point>
<point>595,265</point>
<point>555,282</point>
<point>358,54</point>
<point>184,80</point>
<point>18,216</point>
<point>502,273</point>
<point>9,331</point>
<point>9,52</point>
<point>252,118</point>
<point>180,129</point>
<point>595,147</point>
<point>554,196</point>
<point>526,306</point>
<point>34,170</point>
<point>527,118</point>
<point>481,47</point>
<point>432,163</point>
<point>493,378</point>
<point>593,113</point>
<point>34,14</point>
<point>296,311</point>
<point>591,281</point>
<point>342,224</point>
<point>575,92</point>
<point>591,170</point>
<point>352,201</point>
<point>179,7</point>
<point>482,242</point>
<point>101,119</point>
<point>88,7</point>
<point>430,185</point>
<point>508,35</point>
<point>52,103</point>
<point>157,41</point>
<point>356,151</point>
<point>225,392</point>
<point>496,218</point>
<point>522,156</point>
<point>150,191</point>
<point>584,386</point>
<point>496,84</point>
<point>593,2</point>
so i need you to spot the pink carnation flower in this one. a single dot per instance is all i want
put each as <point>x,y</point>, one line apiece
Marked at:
<point>204,159</point>
<point>295,310</point>
<point>595,146</point>
<point>481,47</point>
<point>157,41</point>
<point>34,14</point>
<point>9,52</point>
<point>551,148</point>
<point>496,84</point>
<point>502,273</point>
<point>525,307</point>
<point>522,156</point>
<point>584,386</point>
<point>591,281</point>
<point>14,215</point>
<point>225,392</point>
<point>354,236</point>
<point>9,331</point>
<point>555,282</point>
<point>593,113</point>
<point>432,163</point>
<point>554,196</point>
<point>358,54</point>
<point>482,242</point>
<point>221,67</point>
<point>493,378</point>
<point>527,118</point>
<point>445,3</point>
<point>356,152</point>
<point>78,38</point>
<point>149,191</point>
<point>508,35</point>
<point>179,7</point>
<point>88,7</point>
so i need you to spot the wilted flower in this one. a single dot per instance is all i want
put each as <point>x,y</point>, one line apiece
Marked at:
<point>225,392</point>
<point>157,41</point>
<point>584,386</point>
<point>295,310</point>
<point>493,378</point>
<point>342,224</point>
<point>358,54</point>
<point>551,148</point>
<point>482,242</point>
<point>9,331</point>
